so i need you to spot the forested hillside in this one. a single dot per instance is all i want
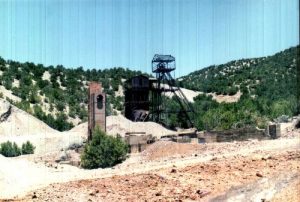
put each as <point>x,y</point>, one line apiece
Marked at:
<point>58,95</point>
<point>268,86</point>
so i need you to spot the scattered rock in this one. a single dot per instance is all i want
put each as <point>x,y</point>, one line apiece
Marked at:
<point>177,191</point>
<point>266,158</point>
<point>34,195</point>
<point>202,193</point>
<point>158,193</point>
<point>259,174</point>
<point>193,197</point>
<point>161,177</point>
<point>173,170</point>
<point>213,159</point>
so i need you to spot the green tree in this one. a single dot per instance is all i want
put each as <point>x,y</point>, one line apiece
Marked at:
<point>33,96</point>
<point>16,149</point>
<point>9,149</point>
<point>103,151</point>
<point>28,148</point>
<point>281,107</point>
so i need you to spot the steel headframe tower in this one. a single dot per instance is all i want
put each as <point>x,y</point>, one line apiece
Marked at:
<point>162,66</point>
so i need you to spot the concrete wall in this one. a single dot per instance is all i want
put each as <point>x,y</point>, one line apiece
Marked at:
<point>138,143</point>
<point>274,131</point>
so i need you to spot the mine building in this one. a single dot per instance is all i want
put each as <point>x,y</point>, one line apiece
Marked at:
<point>145,101</point>
<point>96,108</point>
<point>137,100</point>
<point>144,96</point>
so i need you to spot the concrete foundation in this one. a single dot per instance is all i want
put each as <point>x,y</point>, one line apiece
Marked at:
<point>138,142</point>
<point>273,131</point>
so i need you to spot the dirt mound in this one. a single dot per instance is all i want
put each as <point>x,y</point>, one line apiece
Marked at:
<point>16,122</point>
<point>80,129</point>
<point>165,149</point>
<point>189,94</point>
<point>18,126</point>
<point>120,125</point>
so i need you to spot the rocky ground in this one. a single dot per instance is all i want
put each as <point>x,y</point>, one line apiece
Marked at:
<point>239,171</point>
<point>202,181</point>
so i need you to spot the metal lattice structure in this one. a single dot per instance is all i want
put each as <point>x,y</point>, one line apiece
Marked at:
<point>145,97</point>
<point>162,66</point>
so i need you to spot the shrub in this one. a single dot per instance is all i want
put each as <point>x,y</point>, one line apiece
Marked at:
<point>16,149</point>
<point>9,149</point>
<point>232,91</point>
<point>27,148</point>
<point>103,151</point>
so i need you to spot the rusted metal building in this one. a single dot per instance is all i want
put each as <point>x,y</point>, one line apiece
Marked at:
<point>137,98</point>
<point>96,108</point>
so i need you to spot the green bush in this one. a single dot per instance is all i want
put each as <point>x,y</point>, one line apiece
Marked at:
<point>103,151</point>
<point>16,149</point>
<point>9,149</point>
<point>27,148</point>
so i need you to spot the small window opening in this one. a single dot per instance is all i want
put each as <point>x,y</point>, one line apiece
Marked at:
<point>99,101</point>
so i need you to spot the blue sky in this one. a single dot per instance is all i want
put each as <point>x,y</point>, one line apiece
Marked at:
<point>127,33</point>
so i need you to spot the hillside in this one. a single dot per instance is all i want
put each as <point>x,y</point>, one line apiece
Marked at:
<point>272,76</point>
<point>238,93</point>
<point>57,95</point>
<point>18,126</point>
<point>265,88</point>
